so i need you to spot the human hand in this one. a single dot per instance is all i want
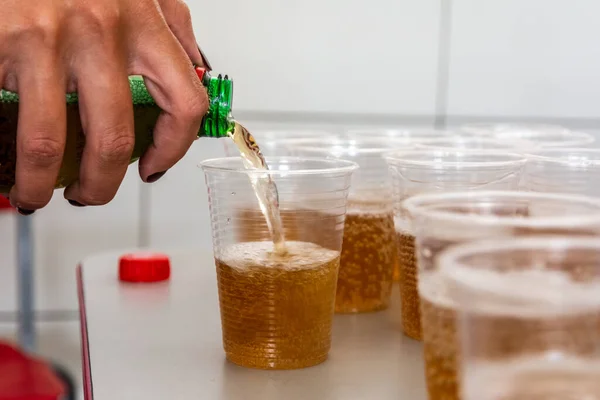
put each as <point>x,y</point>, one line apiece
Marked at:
<point>51,47</point>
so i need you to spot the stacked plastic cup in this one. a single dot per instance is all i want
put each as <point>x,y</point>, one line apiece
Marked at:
<point>439,170</point>
<point>571,170</point>
<point>369,253</point>
<point>277,303</point>
<point>528,316</point>
<point>446,219</point>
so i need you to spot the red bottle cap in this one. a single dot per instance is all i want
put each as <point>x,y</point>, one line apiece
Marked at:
<point>4,203</point>
<point>200,72</point>
<point>144,267</point>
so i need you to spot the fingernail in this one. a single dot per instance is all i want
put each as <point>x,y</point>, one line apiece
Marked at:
<point>75,203</point>
<point>23,211</point>
<point>204,60</point>
<point>154,177</point>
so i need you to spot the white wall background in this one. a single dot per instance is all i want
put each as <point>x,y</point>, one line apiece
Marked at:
<point>326,61</point>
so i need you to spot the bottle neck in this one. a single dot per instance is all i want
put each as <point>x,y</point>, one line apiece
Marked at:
<point>218,121</point>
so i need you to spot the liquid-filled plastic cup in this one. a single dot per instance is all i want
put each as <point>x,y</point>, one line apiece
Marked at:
<point>277,307</point>
<point>369,252</point>
<point>439,170</point>
<point>528,313</point>
<point>443,220</point>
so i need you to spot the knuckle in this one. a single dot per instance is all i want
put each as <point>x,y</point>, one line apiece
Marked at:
<point>39,28</point>
<point>116,146</point>
<point>42,151</point>
<point>97,18</point>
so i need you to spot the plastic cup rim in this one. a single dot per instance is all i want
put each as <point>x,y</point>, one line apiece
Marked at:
<point>329,145</point>
<point>453,269</point>
<point>409,133</point>
<point>542,155</point>
<point>337,166</point>
<point>431,143</point>
<point>489,129</point>
<point>400,158</point>
<point>411,205</point>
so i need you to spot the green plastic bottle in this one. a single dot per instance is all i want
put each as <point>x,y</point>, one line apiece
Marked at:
<point>217,123</point>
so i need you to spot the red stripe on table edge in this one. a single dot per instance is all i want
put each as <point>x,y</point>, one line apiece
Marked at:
<point>85,345</point>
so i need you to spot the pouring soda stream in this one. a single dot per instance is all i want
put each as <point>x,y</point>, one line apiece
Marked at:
<point>264,187</point>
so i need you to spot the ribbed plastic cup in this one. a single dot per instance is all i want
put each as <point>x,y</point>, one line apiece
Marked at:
<point>571,170</point>
<point>439,170</point>
<point>369,253</point>
<point>528,317</point>
<point>446,219</point>
<point>277,309</point>
<point>542,136</point>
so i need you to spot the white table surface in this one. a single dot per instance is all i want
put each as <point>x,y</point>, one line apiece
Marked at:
<point>163,341</point>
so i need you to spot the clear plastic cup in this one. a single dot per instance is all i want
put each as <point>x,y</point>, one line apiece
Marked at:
<point>572,170</point>
<point>414,134</point>
<point>369,253</point>
<point>542,136</point>
<point>269,140</point>
<point>493,128</point>
<point>436,170</point>
<point>476,143</point>
<point>446,219</point>
<point>528,317</point>
<point>277,309</point>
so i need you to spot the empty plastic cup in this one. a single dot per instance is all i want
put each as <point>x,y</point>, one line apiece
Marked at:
<point>476,143</point>
<point>571,170</point>
<point>541,135</point>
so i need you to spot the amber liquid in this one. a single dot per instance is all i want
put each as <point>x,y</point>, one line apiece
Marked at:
<point>440,342</point>
<point>368,259</point>
<point>410,304</point>
<point>277,309</point>
<point>396,274</point>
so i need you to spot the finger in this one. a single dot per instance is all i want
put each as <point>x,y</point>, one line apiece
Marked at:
<point>41,132</point>
<point>106,111</point>
<point>178,92</point>
<point>178,16</point>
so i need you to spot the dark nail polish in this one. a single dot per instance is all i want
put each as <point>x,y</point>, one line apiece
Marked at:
<point>23,211</point>
<point>204,60</point>
<point>154,177</point>
<point>75,203</point>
